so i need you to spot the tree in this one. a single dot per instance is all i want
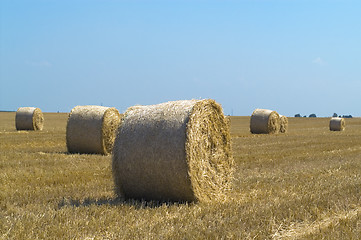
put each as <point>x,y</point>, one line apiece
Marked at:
<point>334,115</point>
<point>312,115</point>
<point>297,115</point>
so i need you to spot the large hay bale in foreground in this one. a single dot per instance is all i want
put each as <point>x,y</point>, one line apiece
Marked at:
<point>283,124</point>
<point>265,121</point>
<point>337,124</point>
<point>174,151</point>
<point>29,118</point>
<point>92,129</point>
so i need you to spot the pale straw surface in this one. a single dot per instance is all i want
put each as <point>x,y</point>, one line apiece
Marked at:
<point>337,124</point>
<point>92,129</point>
<point>283,124</point>
<point>264,121</point>
<point>177,151</point>
<point>29,118</point>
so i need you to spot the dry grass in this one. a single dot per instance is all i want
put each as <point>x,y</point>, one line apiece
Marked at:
<point>304,184</point>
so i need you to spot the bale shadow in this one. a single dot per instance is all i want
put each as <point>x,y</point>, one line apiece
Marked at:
<point>72,154</point>
<point>136,203</point>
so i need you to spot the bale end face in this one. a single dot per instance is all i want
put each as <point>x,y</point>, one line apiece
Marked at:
<point>209,153</point>
<point>111,122</point>
<point>283,124</point>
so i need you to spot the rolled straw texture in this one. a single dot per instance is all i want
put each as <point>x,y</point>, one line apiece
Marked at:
<point>174,151</point>
<point>337,124</point>
<point>283,124</point>
<point>29,118</point>
<point>265,121</point>
<point>92,129</point>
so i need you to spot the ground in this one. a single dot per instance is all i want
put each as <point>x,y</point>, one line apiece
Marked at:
<point>305,184</point>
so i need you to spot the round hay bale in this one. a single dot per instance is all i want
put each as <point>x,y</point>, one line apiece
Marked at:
<point>337,124</point>
<point>29,118</point>
<point>174,151</point>
<point>92,129</point>
<point>228,121</point>
<point>265,121</point>
<point>283,124</point>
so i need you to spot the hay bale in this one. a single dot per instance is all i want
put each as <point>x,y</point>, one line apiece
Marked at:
<point>265,121</point>
<point>29,118</point>
<point>283,124</point>
<point>92,129</point>
<point>337,124</point>
<point>174,151</point>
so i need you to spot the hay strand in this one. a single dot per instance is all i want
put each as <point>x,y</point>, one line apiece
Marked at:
<point>92,129</point>
<point>337,124</point>
<point>283,124</point>
<point>264,121</point>
<point>174,151</point>
<point>29,118</point>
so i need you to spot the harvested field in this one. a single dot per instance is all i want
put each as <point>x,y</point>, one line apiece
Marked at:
<point>304,184</point>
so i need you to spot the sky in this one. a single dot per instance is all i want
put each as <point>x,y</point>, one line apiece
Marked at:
<point>292,56</point>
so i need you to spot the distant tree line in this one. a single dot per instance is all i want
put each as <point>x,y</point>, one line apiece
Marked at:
<point>313,115</point>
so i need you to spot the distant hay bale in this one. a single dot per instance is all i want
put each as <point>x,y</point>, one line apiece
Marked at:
<point>265,121</point>
<point>92,129</point>
<point>174,151</point>
<point>29,118</point>
<point>337,124</point>
<point>283,124</point>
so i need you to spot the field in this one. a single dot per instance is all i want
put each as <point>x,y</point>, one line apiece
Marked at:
<point>305,184</point>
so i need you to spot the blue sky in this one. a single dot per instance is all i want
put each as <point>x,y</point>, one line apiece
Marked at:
<point>292,56</point>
